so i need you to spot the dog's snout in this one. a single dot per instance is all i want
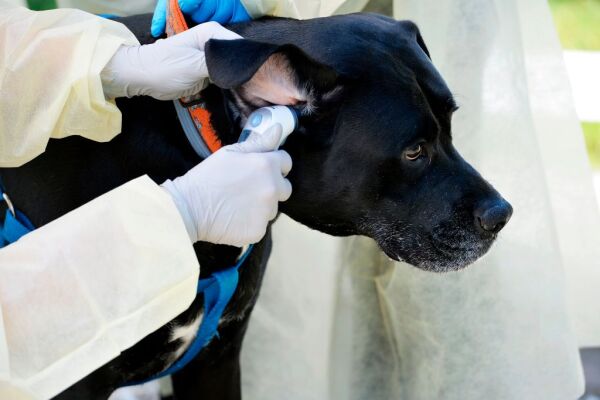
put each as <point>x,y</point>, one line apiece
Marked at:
<point>492,216</point>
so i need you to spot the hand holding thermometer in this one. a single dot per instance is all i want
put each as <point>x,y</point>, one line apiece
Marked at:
<point>264,118</point>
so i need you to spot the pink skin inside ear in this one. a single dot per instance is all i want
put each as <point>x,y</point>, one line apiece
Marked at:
<point>273,83</point>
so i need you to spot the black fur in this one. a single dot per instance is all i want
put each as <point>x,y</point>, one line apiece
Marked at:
<point>350,173</point>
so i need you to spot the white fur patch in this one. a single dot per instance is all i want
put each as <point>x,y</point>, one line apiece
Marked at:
<point>185,333</point>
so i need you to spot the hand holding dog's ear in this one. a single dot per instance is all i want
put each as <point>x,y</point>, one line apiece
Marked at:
<point>232,195</point>
<point>167,69</point>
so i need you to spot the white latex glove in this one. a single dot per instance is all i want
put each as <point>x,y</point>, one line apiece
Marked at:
<point>231,196</point>
<point>167,69</point>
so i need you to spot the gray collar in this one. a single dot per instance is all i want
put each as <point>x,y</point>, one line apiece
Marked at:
<point>191,132</point>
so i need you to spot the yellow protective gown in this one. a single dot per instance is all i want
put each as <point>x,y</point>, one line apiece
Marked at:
<point>50,84</point>
<point>78,291</point>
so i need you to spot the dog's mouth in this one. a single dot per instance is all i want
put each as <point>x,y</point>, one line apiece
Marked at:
<point>457,253</point>
<point>439,251</point>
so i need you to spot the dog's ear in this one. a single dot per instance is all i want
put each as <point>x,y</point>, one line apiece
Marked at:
<point>261,74</point>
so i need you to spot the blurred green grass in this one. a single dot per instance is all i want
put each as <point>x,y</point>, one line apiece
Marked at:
<point>578,26</point>
<point>591,132</point>
<point>578,23</point>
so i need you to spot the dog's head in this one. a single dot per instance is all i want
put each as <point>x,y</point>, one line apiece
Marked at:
<point>374,153</point>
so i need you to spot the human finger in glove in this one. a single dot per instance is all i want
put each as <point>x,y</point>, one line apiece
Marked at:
<point>222,11</point>
<point>167,69</point>
<point>231,196</point>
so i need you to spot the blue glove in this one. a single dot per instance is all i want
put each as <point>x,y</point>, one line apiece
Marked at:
<point>222,11</point>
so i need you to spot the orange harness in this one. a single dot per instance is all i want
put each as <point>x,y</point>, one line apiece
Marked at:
<point>193,107</point>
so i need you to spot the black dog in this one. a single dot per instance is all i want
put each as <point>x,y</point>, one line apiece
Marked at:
<point>373,156</point>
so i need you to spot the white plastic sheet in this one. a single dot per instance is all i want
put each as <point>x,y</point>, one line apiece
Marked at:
<point>337,320</point>
<point>582,68</point>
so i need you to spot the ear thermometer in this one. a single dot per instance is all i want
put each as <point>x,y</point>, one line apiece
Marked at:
<point>264,118</point>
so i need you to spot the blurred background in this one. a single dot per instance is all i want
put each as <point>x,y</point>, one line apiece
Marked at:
<point>578,26</point>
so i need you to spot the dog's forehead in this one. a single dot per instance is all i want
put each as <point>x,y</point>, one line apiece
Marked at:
<point>362,46</point>
<point>352,44</point>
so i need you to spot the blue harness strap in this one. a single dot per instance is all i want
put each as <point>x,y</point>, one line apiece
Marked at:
<point>15,224</point>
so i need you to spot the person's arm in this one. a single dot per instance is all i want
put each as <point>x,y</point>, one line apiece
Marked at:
<point>50,86</point>
<point>60,71</point>
<point>78,291</point>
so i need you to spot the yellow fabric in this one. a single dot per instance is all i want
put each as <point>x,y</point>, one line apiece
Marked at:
<point>50,64</point>
<point>301,9</point>
<point>118,7</point>
<point>79,290</point>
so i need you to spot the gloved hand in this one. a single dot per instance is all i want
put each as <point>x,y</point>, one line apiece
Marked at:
<point>231,196</point>
<point>167,69</point>
<point>222,11</point>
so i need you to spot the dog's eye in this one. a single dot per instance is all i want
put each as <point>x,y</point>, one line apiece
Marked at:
<point>414,152</point>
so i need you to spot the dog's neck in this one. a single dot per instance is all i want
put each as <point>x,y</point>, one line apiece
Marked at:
<point>225,118</point>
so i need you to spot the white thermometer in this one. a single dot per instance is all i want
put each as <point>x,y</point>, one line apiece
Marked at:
<point>264,118</point>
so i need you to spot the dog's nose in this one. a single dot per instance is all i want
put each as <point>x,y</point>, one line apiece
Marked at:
<point>493,215</point>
